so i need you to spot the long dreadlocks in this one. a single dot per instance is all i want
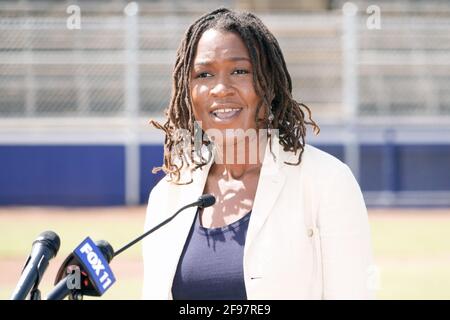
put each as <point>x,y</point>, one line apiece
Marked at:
<point>271,80</point>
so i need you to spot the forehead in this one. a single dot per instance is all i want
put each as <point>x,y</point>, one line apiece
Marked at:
<point>220,44</point>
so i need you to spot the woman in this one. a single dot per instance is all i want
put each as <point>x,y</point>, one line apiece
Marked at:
<point>289,220</point>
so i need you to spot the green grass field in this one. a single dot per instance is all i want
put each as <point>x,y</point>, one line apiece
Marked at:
<point>411,247</point>
<point>412,250</point>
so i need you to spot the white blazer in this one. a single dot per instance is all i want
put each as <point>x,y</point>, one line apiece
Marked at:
<point>308,235</point>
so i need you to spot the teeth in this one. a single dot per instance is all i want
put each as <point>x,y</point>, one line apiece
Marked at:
<point>225,110</point>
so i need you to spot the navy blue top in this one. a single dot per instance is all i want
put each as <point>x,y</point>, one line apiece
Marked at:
<point>211,264</point>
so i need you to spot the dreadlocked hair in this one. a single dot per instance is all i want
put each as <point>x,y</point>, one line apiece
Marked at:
<point>271,80</point>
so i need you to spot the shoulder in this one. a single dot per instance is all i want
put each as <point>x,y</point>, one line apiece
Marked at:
<point>159,188</point>
<point>167,194</point>
<point>159,194</point>
<point>313,156</point>
<point>321,173</point>
<point>317,164</point>
<point>331,178</point>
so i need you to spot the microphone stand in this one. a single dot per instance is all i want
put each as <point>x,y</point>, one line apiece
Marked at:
<point>35,293</point>
<point>203,201</point>
<point>154,229</point>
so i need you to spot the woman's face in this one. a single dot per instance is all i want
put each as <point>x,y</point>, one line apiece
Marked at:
<point>222,88</point>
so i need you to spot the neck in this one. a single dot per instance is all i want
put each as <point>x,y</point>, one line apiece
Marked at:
<point>233,160</point>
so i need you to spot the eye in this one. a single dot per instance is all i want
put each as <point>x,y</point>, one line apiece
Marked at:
<point>241,71</point>
<point>203,75</point>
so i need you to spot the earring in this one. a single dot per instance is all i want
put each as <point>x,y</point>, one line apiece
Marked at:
<point>270,124</point>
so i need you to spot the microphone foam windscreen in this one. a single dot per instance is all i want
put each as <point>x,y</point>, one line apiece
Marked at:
<point>106,249</point>
<point>207,200</point>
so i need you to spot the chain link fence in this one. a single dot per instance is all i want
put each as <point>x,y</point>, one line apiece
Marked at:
<point>404,68</point>
<point>48,70</point>
<point>100,83</point>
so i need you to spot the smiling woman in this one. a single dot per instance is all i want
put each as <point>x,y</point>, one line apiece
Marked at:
<point>230,60</point>
<point>289,220</point>
<point>222,90</point>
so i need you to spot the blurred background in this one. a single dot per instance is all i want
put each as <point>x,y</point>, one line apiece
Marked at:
<point>79,81</point>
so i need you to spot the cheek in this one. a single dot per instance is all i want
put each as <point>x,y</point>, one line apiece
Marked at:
<point>199,94</point>
<point>202,91</point>
<point>249,95</point>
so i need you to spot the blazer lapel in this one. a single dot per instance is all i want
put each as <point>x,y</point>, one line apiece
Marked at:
<point>190,193</point>
<point>270,184</point>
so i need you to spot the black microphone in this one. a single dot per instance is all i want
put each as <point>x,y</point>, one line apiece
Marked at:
<point>83,286</point>
<point>44,248</point>
<point>205,200</point>
<point>63,287</point>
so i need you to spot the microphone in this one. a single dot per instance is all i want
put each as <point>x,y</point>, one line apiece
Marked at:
<point>74,277</point>
<point>90,281</point>
<point>44,248</point>
<point>204,201</point>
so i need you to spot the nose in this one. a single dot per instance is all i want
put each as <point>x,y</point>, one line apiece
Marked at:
<point>222,88</point>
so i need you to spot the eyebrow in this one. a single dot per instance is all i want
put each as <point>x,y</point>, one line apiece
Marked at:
<point>209,62</point>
